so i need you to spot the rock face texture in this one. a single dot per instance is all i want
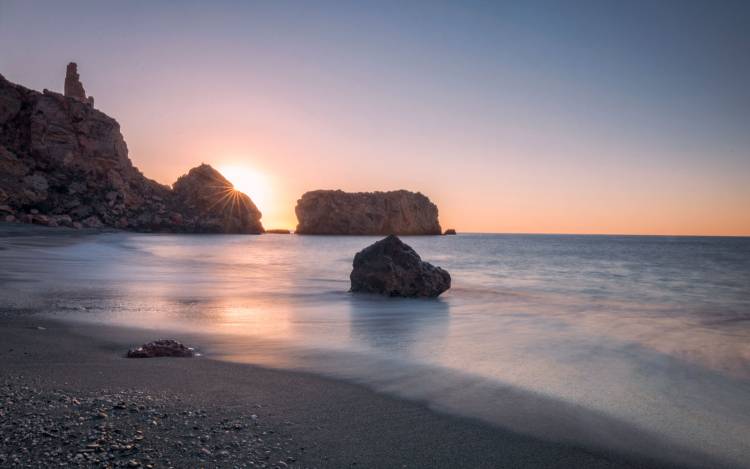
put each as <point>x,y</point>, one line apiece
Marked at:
<point>73,85</point>
<point>208,198</point>
<point>392,268</point>
<point>62,162</point>
<point>161,348</point>
<point>366,213</point>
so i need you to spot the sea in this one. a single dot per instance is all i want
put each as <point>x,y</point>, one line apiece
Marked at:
<point>640,344</point>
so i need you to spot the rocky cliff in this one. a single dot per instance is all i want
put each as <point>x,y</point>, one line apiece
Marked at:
<point>366,213</point>
<point>62,162</point>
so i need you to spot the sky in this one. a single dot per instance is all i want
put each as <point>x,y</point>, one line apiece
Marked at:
<point>627,117</point>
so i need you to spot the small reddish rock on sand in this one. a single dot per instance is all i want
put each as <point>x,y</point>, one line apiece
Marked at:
<point>161,348</point>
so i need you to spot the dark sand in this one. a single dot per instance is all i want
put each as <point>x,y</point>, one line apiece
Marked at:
<point>57,383</point>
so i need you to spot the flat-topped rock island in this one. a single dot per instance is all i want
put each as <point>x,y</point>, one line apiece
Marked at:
<point>335,212</point>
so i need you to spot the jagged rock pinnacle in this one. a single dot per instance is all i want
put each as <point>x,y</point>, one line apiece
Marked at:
<point>73,85</point>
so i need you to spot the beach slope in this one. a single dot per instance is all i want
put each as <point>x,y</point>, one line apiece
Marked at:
<point>69,395</point>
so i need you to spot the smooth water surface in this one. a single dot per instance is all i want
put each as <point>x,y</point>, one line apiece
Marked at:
<point>567,337</point>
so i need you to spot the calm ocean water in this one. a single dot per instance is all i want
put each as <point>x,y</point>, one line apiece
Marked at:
<point>637,343</point>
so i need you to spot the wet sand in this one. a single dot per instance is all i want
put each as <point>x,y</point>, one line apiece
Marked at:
<point>70,396</point>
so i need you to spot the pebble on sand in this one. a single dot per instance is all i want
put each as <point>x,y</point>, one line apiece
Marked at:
<point>161,348</point>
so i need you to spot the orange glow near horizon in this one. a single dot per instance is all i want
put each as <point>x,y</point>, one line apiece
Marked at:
<point>573,200</point>
<point>261,189</point>
<point>249,181</point>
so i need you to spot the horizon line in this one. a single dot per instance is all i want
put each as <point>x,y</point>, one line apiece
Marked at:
<point>607,234</point>
<point>458,233</point>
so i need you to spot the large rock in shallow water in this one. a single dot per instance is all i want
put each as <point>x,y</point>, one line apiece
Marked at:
<point>366,213</point>
<point>392,268</point>
<point>63,162</point>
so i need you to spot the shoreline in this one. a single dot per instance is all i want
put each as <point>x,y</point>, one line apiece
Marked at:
<point>29,229</point>
<point>337,423</point>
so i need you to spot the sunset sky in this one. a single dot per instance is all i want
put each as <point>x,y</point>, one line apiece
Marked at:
<point>542,117</point>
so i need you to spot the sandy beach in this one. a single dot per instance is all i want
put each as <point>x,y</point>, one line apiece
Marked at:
<point>70,398</point>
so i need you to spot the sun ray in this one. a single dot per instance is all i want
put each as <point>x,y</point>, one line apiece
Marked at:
<point>249,181</point>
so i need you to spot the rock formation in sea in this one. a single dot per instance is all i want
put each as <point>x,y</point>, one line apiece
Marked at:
<point>206,197</point>
<point>392,268</point>
<point>64,163</point>
<point>450,231</point>
<point>366,213</point>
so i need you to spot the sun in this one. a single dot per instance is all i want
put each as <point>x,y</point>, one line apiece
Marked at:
<point>250,181</point>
